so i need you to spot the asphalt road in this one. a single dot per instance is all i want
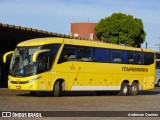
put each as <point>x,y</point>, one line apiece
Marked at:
<point>80,101</point>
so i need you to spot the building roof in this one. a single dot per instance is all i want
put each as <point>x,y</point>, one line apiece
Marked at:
<point>11,35</point>
<point>14,27</point>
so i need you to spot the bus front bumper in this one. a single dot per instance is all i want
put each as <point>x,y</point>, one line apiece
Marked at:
<point>30,84</point>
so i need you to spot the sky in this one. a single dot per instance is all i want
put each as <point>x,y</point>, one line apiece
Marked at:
<point>56,15</point>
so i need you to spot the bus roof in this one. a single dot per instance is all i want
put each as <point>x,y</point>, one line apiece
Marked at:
<point>40,41</point>
<point>51,40</point>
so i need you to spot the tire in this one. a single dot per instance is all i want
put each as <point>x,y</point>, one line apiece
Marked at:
<point>158,83</point>
<point>57,90</point>
<point>134,89</point>
<point>124,90</point>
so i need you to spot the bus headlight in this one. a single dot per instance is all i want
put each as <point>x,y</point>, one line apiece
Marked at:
<point>9,80</point>
<point>24,82</point>
<point>33,79</point>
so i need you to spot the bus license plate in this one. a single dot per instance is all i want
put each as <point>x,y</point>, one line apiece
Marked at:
<point>18,87</point>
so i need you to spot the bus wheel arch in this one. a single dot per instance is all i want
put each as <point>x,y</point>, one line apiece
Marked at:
<point>58,87</point>
<point>124,90</point>
<point>134,88</point>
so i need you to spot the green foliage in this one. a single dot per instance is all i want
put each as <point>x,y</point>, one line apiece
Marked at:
<point>120,28</point>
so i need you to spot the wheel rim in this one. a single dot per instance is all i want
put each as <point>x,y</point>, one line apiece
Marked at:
<point>134,88</point>
<point>125,90</point>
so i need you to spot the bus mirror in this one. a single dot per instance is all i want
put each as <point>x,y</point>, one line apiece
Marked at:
<point>5,56</point>
<point>34,58</point>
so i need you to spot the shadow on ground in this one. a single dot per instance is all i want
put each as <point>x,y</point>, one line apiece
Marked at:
<point>86,93</point>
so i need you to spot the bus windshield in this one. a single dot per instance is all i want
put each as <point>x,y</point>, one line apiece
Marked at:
<point>22,65</point>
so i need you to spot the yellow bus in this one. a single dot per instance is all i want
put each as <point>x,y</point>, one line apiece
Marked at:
<point>63,64</point>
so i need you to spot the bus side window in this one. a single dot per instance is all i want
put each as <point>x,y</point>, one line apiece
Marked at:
<point>116,56</point>
<point>100,55</point>
<point>139,58</point>
<point>42,62</point>
<point>84,54</point>
<point>68,54</point>
<point>51,54</point>
<point>125,57</point>
<point>148,58</point>
<point>128,57</point>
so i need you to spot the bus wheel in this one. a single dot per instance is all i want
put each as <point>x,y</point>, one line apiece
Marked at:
<point>158,83</point>
<point>134,89</point>
<point>124,89</point>
<point>57,89</point>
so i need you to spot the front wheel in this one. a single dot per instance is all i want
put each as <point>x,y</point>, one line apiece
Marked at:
<point>57,91</point>
<point>134,89</point>
<point>124,89</point>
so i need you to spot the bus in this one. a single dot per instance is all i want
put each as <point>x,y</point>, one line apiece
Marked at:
<point>157,79</point>
<point>64,64</point>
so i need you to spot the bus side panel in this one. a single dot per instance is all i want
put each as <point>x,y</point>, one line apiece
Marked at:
<point>91,76</point>
<point>148,83</point>
<point>66,71</point>
<point>81,76</point>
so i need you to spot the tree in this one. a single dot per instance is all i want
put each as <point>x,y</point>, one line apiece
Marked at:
<point>120,28</point>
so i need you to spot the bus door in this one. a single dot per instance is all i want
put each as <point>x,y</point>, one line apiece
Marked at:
<point>49,60</point>
<point>42,69</point>
<point>45,61</point>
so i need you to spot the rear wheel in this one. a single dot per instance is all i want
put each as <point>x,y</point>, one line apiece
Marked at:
<point>124,89</point>
<point>134,89</point>
<point>57,91</point>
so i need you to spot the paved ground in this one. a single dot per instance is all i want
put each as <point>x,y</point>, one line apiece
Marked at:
<point>80,101</point>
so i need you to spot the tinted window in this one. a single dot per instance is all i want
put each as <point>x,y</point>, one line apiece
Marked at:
<point>116,56</point>
<point>148,58</point>
<point>100,55</point>
<point>139,58</point>
<point>84,54</point>
<point>53,52</point>
<point>46,59</point>
<point>76,53</point>
<point>68,53</point>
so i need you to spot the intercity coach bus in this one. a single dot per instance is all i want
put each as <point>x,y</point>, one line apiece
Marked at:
<point>63,64</point>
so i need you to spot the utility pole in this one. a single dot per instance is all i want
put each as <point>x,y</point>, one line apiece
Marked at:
<point>158,47</point>
<point>146,45</point>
